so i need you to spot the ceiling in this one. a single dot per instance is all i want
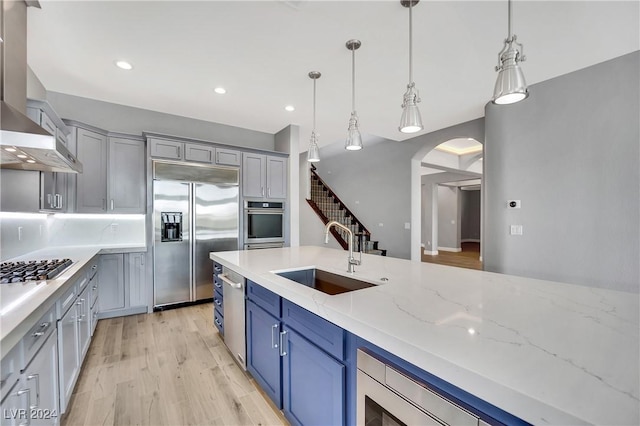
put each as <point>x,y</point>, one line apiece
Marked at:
<point>262,51</point>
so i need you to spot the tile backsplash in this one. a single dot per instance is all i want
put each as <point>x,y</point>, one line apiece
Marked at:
<point>21,233</point>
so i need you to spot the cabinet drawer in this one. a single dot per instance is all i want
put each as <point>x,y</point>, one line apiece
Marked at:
<point>199,153</point>
<point>218,320</point>
<point>217,284</point>
<point>91,272</point>
<point>37,335</point>
<point>66,301</point>
<point>319,331</point>
<point>217,301</point>
<point>267,300</point>
<point>94,318</point>
<point>228,157</point>
<point>82,281</point>
<point>10,369</point>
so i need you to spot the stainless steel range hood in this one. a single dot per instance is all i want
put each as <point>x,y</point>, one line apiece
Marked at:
<point>23,144</point>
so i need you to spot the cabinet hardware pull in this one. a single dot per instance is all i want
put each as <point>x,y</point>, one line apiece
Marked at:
<point>283,352</point>
<point>112,207</point>
<point>274,343</point>
<point>217,321</point>
<point>224,278</point>
<point>37,377</point>
<point>269,192</point>
<point>58,201</point>
<point>49,196</point>
<point>262,191</point>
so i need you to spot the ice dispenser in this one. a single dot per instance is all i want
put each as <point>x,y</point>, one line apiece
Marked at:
<point>171,226</point>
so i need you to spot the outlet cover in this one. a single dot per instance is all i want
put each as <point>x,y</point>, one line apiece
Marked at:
<point>407,225</point>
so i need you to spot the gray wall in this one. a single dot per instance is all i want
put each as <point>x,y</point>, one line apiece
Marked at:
<point>126,119</point>
<point>430,239</point>
<point>571,153</point>
<point>448,226</point>
<point>470,215</point>
<point>379,178</point>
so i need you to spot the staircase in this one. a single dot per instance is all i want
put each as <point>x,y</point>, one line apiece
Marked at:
<point>329,207</point>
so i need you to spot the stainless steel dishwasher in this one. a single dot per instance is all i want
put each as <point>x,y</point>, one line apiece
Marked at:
<point>234,319</point>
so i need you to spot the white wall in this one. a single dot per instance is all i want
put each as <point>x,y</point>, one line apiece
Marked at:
<point>45,230</point>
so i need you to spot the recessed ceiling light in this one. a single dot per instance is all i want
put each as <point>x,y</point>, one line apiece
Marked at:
<point>21,156</point>
<point>124,65</point>
<point>10,149</point>
<point>220,90</point>
<point>290,108</point>
<point>31,161</point>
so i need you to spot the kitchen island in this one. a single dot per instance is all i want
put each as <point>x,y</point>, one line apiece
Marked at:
<point>546,352</point>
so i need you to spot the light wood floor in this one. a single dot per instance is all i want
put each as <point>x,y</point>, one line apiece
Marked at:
<point>165,368</point>
<point>469,257</point>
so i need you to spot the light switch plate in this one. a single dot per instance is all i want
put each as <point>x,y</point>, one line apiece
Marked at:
<point>516,230</point>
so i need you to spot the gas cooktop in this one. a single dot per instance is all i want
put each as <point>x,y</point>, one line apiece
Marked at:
<point>32,270</point>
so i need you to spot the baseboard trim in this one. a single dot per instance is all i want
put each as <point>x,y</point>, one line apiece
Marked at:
<point>430,253</point>
<point>470,240</point>
<point>455,250</point>
<point>122,312</point>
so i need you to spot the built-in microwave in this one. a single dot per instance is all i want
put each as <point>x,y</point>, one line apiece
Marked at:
<point>263,222</point>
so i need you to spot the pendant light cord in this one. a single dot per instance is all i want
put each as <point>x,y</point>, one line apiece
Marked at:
<point>410,43</point>
<point>509,19</point>
<point>353,79</point>
<point>314,105</point>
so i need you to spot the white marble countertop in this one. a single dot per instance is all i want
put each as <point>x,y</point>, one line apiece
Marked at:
<point>547,352</point>
<point>22,304</point>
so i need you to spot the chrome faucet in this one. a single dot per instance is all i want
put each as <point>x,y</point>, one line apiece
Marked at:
<point>351,260</point>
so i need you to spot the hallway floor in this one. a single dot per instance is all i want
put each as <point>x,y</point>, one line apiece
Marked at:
<point>468,258</point>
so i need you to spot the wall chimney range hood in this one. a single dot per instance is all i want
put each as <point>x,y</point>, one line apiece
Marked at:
<point>23,144</point>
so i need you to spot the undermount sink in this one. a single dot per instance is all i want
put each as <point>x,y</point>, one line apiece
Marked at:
<point>324,281</point>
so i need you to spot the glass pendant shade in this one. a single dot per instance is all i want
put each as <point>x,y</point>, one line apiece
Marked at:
<point>313,155</point>
<point>354,139</point>
<point>411,120</point>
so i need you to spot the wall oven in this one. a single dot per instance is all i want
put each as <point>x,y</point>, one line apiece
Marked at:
<point>389,397</point>
<point>263,223</point>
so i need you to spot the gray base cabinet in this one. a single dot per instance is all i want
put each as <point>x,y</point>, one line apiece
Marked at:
<point>122,285</point>
<point>41,377</point>
<point>111,282</point>
<point>69,355</point>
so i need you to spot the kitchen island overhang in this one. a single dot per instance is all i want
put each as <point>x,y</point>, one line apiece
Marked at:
<point>544,351</point>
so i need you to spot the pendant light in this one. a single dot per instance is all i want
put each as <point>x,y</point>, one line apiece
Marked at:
<point>354,139</point>
<point>313,156</point>
<point>510,85</point>
<point>411,121</point>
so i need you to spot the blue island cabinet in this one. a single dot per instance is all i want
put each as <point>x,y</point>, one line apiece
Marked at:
<point>299,359</point>
<point>263,354</point>
<point>313,383</point>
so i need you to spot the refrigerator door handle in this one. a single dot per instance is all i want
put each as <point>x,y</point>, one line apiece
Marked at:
<point>224,278</point>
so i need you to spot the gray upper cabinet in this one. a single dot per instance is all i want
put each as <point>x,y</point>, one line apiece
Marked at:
<point>228,157</point>
<point>276,177</point>
<point>199,153</point>
<point>253,174</point>
<point>113,179</point>
<point>126,176</point>
<point>171,150</point>
<point>91,196</point>
<point>264,176</point>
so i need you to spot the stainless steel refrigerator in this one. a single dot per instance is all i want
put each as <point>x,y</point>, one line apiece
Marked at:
<point>195,211</point>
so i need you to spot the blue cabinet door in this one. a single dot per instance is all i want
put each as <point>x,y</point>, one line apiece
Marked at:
<point>263,356</point>
<point>313,383</point>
